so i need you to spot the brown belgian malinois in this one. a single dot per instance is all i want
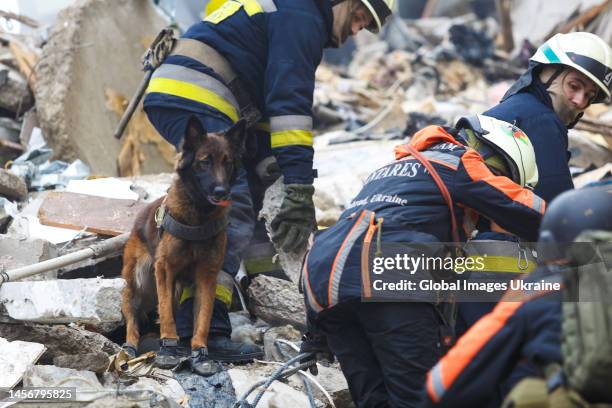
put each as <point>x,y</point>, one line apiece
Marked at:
<point>180,240</point>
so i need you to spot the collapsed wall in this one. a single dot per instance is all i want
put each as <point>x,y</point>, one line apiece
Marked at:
<point>96,45</point>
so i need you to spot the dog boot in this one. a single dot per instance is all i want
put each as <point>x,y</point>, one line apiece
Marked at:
<point>202,365</point>
<point>129,349</point>
<point>170,354</point>
<point>222,348</point>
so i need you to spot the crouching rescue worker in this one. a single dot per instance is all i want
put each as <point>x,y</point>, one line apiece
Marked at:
<point>567,74</point>
<point>385,349</point>
<point>253,59</point>
<point>536,327</point>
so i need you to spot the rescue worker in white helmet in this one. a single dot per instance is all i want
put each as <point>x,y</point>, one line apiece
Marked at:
<point>387,340</point>
<point>567,74</point>
<point>252,59</point>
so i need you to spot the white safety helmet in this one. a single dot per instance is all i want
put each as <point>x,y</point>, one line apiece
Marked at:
<point>503,146</point>
<point>586,53</point>
<point>381,10</point>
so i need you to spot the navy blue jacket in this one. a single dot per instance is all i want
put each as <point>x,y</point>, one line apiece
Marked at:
<point>405,196</point>
<point>523,331</point>
<point>274,46</point>
<point>531,110</point>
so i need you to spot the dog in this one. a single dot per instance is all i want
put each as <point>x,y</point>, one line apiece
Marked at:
<point>180,240</point>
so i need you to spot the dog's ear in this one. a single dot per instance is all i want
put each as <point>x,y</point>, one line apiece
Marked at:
<point>194,136</point>
<point>236,136</point>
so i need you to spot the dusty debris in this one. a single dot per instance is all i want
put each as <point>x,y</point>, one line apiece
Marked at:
<point>15,96</point>
<point>16,357</point>
<point>60,340</point>
<point>270,337</point>
<point>74,72</point>
<point>277,301</point>
<point>92,301</point>
<point>96,362</point>
<point>12,187</point>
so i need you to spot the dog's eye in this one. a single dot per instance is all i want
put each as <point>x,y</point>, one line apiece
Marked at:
<point>203,163</point>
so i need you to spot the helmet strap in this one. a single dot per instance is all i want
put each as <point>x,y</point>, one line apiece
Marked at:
<point>554,76</point>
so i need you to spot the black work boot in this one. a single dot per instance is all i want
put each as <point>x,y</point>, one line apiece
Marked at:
<point>170,353</point>
<point>222,348</point>
<point>201,364</point>
<point>129,349</point>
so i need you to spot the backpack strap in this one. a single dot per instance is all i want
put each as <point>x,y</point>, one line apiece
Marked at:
<point>441,186</point>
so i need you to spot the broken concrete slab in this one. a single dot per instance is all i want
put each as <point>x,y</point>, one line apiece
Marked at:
<point>585,152</point>
<point>12,187</point>
<point>15,94</point>
<point>94,301</point>
<point>87,384</point>
<point>96,362</point>
<point>16,357</point>
<point>277,302</point>
<point>15,253</point>
<point>101,215</point>
<point>74,72</point>
<point>60,340</point>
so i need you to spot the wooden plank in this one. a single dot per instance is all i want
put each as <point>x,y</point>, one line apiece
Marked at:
<point>21,18</point>
<point>100,215</point>
<point>582,19</point>
<point>504,10</point>
<point>26,60</point>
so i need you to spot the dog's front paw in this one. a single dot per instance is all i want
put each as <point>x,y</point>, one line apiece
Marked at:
<point>170,354</point>
<point>202,365</point>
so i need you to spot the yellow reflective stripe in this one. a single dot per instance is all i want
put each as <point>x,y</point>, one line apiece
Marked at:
<point>221,292</point>
<point>186,294</point>
<point>212,6</point>
<point>224,295</point>
<point>501,264</point>
<point>194,93</point>
<point>291,138</point>
<point>226,10</point>
<point>251,7</point>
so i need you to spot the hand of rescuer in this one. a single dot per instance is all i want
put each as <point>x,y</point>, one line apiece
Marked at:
<point>296,220</point>
<point>318,350</point>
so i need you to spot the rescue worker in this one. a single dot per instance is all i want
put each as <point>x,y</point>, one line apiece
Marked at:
<point>566,75</point>
<point>386,348</point>
<point>253,59</point>
<point>527,327</point>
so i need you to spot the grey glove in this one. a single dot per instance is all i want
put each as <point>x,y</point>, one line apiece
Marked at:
<point>296,220</point>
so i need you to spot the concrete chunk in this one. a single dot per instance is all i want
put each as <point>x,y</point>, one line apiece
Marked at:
<point>16,253</point>
<point>94,301</point>
<point>15,359</point>
<point>60,340</point>
<point>277,301</point>
<point>12,187</point>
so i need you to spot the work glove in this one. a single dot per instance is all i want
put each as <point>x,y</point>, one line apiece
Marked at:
<point>318,350</point>
<point>296,219</point>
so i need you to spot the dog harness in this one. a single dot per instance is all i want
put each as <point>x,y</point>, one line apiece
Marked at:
<point>166,222</point>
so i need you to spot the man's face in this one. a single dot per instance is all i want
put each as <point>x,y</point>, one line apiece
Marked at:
<point>361,19</point>
<point>579,89</point>
<point>350,17</point>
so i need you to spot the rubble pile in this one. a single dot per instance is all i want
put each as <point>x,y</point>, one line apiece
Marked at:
<point>66,184</point>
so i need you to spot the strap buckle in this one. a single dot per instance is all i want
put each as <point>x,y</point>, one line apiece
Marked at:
<point>160,212</point>
<point>523,260</point>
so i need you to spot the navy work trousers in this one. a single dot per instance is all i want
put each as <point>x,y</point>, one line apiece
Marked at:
<point>385,349</point>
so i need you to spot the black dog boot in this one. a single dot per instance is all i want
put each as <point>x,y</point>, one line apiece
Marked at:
<point>129,349</point>
<point>202,365</point>
<point>222,348</point>
<point>170,354</point>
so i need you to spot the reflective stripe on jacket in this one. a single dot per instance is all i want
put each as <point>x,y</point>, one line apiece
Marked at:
<point>524,330</point>
<point>405,196</point>
<point>274,47</point>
